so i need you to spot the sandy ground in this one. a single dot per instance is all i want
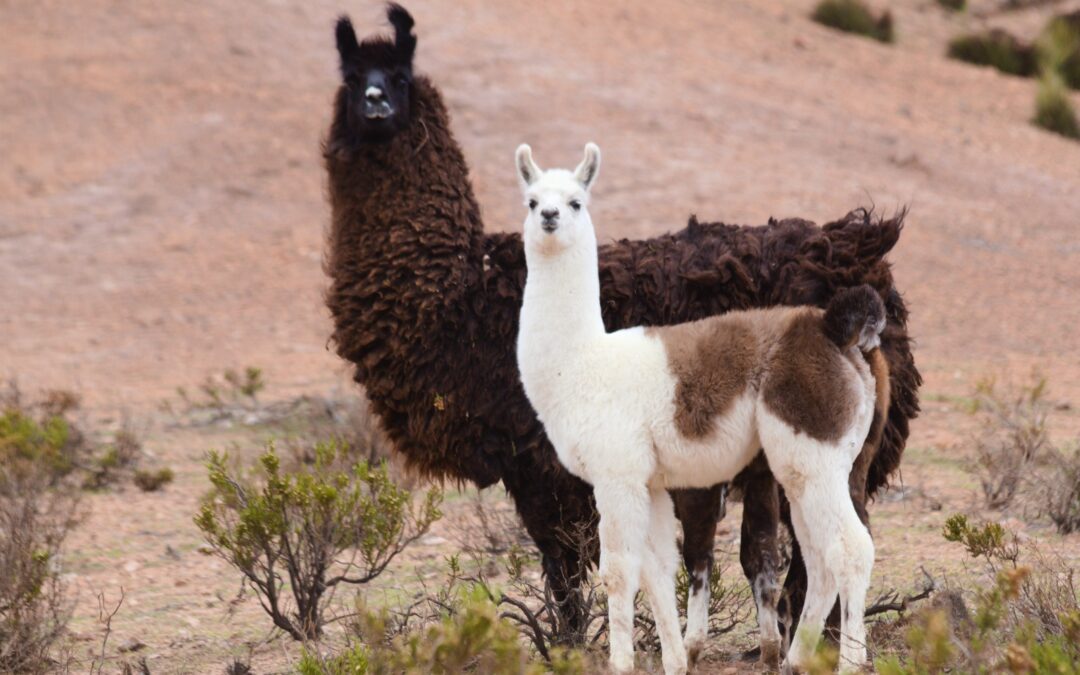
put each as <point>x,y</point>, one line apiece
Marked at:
<point>162,210</point>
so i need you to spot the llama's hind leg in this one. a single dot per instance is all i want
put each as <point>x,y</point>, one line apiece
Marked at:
<point>759,553</point>
<point>856,564</point>
<point>624,520</point>
<point>839,556</point>
<point>822,585</point>
<point>699,511</point>
<point>658,579</point>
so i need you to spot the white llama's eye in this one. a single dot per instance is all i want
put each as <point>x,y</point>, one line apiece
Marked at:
<point>532,204</point>
<point>575,204</point>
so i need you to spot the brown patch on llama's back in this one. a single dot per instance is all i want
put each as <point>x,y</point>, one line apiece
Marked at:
<point>806,386</point>
<point>712,361</point>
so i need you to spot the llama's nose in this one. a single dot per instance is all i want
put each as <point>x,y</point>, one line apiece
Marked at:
<point>374,94</point>
<point>550,214</point>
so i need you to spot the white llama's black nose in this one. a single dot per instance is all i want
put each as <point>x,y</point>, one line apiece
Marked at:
<point>550,214</point>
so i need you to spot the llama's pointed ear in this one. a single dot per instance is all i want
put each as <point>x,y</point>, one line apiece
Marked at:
<point>347,45</point>
<point>403,23</point>
<point>589,168</point>
<point>527,169</point>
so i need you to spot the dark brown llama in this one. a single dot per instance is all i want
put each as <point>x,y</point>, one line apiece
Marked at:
<point>425,305</point>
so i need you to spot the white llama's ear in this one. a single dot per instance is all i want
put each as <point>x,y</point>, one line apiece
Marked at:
<point>528,171</point>
<point>589,168</point>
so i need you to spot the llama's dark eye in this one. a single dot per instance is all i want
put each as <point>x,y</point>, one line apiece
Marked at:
<point>575,204</point>
<point>532,204</point>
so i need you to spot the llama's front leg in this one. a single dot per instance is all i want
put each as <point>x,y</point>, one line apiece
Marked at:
<point>759,553</point>
<point>658,579</point>
<point>699,511</point>
<point>624,521</point>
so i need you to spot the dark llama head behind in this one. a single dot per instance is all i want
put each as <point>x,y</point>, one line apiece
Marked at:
<point>375,99</point>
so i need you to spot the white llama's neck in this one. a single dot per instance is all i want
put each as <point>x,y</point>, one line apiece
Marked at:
<point>562,295</point>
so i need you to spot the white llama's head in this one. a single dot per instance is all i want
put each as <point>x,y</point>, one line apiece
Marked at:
<point>558,201</point>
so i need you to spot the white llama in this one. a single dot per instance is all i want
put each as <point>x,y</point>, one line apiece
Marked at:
<point>641,410</point>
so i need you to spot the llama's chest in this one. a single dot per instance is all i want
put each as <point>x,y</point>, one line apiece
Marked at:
<point>598,401</point>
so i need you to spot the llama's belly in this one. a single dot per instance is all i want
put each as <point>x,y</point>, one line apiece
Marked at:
<point>698,462</point>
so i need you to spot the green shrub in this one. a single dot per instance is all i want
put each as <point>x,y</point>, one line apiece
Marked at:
<point>1053,109</point>
<point>1027,620</point>
<point>152,481</point>
<point>27,444</point>
<point>1058,48</point>
<point>954,5</point>
<point>997,49</point>
<point>473,638</point>
<point>315,527</point>
<point>852,16</point>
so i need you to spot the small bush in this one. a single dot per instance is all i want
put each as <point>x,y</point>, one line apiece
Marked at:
<point>43,438</point>
<point>37,511</point>
<point>852,16</point>
<point>1026,620</point>
<point>317,527</point>
<point>996,49</point>
<point>473,638</point>
<point>954,5</point>
<point>1059,476</point>
<point>152,481</point>
<point>1012,434</point>
<point>1058,49</point>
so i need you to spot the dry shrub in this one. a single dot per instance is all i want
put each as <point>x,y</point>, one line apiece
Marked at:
<point>1059,56</point>
<point>1012,435</point>
<point>491,526</point>
<point>1058,475</point>
<point>1015,457</point>
<point>299,423</point>
<point>997,49</point>
<point>37,510</point>
<point>152,481</point>
<point>852,16</point>
<point>1026,618</point>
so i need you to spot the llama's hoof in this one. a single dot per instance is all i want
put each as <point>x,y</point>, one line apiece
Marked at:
<point>694,646</point>
<point>770,656</point>
<point>692,655</point>
<point>674,664</point>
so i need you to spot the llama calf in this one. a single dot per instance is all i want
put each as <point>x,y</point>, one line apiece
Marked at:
<point>641,410</point>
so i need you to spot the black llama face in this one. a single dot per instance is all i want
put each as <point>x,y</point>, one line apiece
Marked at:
<point>377,76</point>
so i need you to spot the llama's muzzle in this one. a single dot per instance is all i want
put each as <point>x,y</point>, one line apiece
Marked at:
<point>376,104</point>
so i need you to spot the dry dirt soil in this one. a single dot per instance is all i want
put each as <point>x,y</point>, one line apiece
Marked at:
<point>162,211</point>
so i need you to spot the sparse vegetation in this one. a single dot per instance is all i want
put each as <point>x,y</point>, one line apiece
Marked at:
<point>305,532</point>
<point>152,481</point>
<point>1059,475</point>
<point>1012,434</point>
<point>954,5</point>
<point>1059,56</point>
<point>1015,457</point>
<point>38,449</point>
<point>1027,620</point>
<point>996,49</point>
<point>473,637</point>
<point>852,16</point>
